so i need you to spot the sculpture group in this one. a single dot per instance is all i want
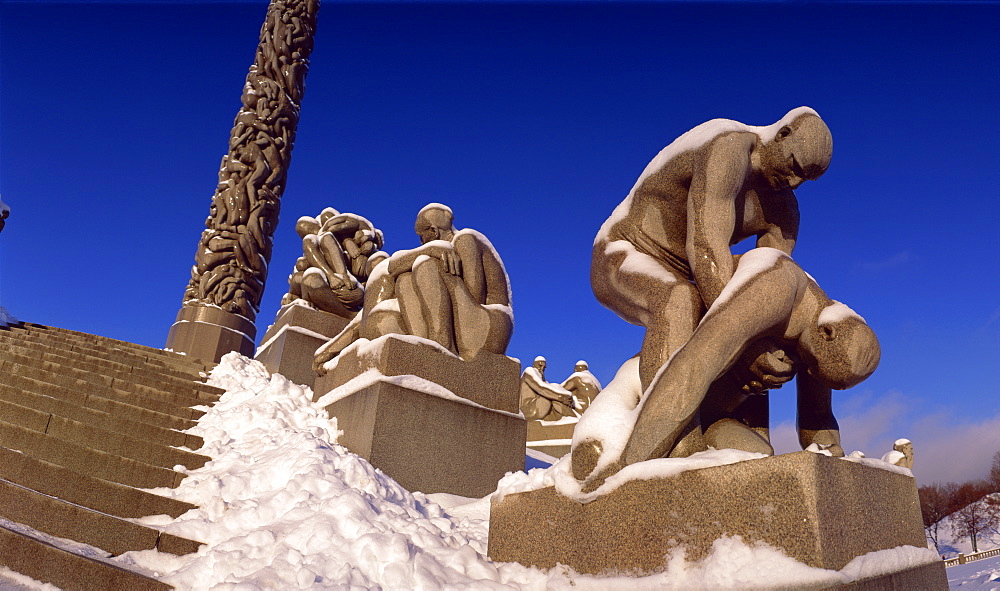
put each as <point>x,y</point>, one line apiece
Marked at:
<point>721,331</point>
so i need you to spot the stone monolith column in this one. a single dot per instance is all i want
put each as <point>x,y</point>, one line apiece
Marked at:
<point>227,280</point>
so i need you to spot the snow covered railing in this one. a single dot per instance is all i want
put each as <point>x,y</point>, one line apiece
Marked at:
<point>963,558</point>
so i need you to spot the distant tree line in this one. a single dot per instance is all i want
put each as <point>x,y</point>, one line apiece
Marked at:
<point>972,505</point>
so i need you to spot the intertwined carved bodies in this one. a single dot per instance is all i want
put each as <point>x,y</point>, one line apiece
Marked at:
<point>339,252</point>
<point>231,263</point>
<point>714,186</point>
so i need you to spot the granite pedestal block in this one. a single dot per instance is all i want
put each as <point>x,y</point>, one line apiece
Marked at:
<point>552,437</point>
<point>489,379</point>
<point>290,343</point>
<point>819,510</point>
<point>428,443</point>
<point>426,438</point>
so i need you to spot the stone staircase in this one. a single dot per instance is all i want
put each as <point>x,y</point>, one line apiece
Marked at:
<point>85,423</point>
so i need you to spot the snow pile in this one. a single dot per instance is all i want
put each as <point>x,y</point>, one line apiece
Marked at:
<point>282,506</point>
<point>6,318</point>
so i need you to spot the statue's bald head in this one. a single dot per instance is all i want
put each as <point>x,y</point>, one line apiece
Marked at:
<point>799,150</point>
<point>434,222</point>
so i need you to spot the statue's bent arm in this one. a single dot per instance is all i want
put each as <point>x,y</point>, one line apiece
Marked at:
<point>720,174</point>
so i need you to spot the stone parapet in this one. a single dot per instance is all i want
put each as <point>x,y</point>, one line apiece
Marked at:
<point>819,510</point>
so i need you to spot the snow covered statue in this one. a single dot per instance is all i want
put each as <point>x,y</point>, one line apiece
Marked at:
<point>325,290</point>
<point>430,339</point>
<point>675,451</point>
<point>663,256</point>
<point>542,400</point>
<point>553,410</point>
<point>583,385</point>
<point>339,252</point>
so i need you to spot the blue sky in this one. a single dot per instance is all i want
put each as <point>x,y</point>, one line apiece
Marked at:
<point>532,121</point>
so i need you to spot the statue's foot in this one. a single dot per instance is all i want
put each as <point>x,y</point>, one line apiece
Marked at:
<point>584,458</point>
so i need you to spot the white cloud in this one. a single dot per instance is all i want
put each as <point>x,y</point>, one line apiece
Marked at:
<point>947,448</point>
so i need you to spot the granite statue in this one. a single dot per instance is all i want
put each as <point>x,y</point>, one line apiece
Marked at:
<point>4,214</point>
<point>663,256</point>
<point>769,296</point>
<point>541,400</point>
<point>583,385</point>
<point>235,248</point>
<point>452,290</point>
<point>339,252</point>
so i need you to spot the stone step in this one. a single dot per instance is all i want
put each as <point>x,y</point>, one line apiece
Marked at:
<point>113,371</point>
<point>159,401</point>
<point>42,328</point>
<point>66,520</point>
<point>186,397</point>
<point>128,365</point>
<point>75,350</point>
<point>104,348</point>
<point>178,418</point>
<point>81,489</point>
<point>69,571</point>
<point>110,422</point>
<point>95,438</point>
<point>83,459</point>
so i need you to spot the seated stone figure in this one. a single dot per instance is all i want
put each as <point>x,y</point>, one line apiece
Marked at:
<point>771,297</point>
<point>583,385</point>
<point>453,290</point>
<point>541,400</point>
<point>339,253</point>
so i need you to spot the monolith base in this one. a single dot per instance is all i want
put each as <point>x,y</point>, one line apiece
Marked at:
<point>207,333</point>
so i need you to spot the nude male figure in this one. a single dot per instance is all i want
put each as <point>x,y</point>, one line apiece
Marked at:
<point>541,400</point>
<point>453,289</point>
<point>663,256</point>
<point>769,297</point>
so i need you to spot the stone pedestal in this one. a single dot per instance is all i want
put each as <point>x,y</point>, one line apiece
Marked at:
<point>491,380</point>
<point>819,510</point>
<point>431,441</point>
<point>553,438</point>
<point>289,344</point>
<point>207,333</point>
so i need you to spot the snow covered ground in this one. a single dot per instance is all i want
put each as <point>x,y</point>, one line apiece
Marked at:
<point>283,506</point>
<point>981,574</point>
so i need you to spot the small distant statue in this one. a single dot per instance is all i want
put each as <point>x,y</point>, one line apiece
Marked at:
<point>339,252</point>
<point>901,454</point>
<point>583,385</point>
<point>770,296</point>
<point>4,214</point>
<point>541,400</point>
<point>453,290</point>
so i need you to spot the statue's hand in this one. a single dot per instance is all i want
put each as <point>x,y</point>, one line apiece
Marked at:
<point>767,367</point>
